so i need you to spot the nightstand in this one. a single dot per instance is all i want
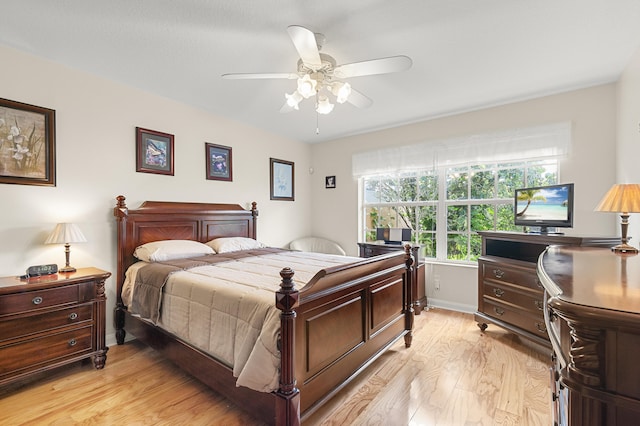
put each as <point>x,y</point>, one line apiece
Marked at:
<point>49,321</point>
<point>417,280</point>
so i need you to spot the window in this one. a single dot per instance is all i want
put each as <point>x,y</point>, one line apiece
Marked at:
<point>446,206</point>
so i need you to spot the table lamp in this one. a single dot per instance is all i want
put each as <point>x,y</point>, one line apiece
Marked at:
<point>66,233</point>
<point>623,198</point>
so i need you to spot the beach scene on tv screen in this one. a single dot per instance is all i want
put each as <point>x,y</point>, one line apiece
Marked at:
<point>543,204</point>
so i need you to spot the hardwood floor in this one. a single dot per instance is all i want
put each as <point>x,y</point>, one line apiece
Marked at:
<point>452,375</point>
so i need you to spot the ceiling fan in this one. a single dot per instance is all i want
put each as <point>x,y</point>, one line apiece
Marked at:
<point>319,76</point>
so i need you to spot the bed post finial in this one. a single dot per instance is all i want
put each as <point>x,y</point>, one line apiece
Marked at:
<point>121,207</point>
<point>254,214</point>
<point>287,395</point>
<point>409,262</point>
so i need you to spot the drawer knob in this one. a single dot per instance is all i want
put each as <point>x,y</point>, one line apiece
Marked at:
<point>498,311</point>
<point>539,304</point>
<point>73,342</point>
<point>37,300</point>
<point>498,273</point>
<point>498,292</point>
<point>541,328</point>
<point>73,316</point>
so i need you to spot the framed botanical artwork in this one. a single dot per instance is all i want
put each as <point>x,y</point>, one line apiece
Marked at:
<point>154,152</point>
<point>27,144</point>
<point>282,179</point>
<point>219,162</point>
<point>330,182</point>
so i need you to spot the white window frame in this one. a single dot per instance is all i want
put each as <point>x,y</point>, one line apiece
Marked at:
<point>442,204</point>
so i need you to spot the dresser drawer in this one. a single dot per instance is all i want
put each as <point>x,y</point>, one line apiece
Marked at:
<point>20,302</point>
<point>47,349</point>
<point>500,272</point>
<point>523,298</point>
<point>524,320</point>
<point>32,324</point>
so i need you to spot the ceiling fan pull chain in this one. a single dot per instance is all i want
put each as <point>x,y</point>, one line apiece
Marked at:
<point>317,123</point>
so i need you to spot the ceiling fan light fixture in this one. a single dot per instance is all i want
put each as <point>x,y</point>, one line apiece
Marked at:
<point>293,100</point>
<point>324,106</point>
<point>307,86</point>
<point>315,74</point>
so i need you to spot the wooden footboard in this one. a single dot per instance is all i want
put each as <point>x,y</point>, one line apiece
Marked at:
<point>331,329</point>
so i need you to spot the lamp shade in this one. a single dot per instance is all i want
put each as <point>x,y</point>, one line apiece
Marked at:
<point>66,233</point>
<point>621,198</point>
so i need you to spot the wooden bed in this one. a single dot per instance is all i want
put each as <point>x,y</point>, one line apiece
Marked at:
<point>331,329</point>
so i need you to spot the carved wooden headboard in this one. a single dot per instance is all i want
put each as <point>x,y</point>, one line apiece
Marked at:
<point>164,220</point>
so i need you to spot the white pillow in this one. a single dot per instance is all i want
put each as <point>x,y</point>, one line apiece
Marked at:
<point>229,244</point>
<point>160,251</point>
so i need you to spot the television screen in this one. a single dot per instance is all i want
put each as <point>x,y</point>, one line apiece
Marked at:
<point>545,206</point>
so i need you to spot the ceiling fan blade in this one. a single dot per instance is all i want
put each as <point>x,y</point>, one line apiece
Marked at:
<point>374,66</point>
<point>305,42</point>
<point>249,76</point>
<point>358,99</point>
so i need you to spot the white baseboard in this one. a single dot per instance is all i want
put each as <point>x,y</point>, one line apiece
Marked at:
<point>452,306</point>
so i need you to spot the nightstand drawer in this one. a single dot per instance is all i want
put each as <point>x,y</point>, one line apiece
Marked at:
<point>20,302</point>
<point>46,349</point>
<point>32,324</point>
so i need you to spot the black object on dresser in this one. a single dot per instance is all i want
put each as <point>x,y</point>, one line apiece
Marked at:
<point>51,320</point>
<point>418,278</point>
<point>509,292</point>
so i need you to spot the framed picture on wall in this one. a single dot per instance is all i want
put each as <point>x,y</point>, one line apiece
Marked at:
<point>219,164</point>
<point>330,182</point>
<point>27,144</point>
<point>154,152</point>
<point>282,179</point>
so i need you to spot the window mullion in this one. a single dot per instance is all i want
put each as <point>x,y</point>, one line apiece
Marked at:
<point>441,216</point>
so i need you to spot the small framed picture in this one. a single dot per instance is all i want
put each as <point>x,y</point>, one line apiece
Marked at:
<point>282,180</point>
<point>330,182</point>
<point>27,144</point>
<point>154,152</point>
<point>219,162</point>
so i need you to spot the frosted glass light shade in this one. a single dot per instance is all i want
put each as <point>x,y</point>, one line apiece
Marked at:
<point>307,86</point>
<point>324,106</point>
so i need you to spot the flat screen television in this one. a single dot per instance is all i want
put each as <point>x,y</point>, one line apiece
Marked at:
<point>544,206</point>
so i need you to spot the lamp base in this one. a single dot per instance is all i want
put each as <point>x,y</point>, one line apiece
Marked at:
<point>624,248</point>
<point>72,269</point>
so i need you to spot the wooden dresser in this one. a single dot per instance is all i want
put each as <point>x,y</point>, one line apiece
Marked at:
<point>49,321</point>
<point>418,279</point>
<point>509,292</point>
<point>593,315</point>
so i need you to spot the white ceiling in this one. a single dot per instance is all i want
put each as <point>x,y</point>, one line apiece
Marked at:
<point>467,54</point>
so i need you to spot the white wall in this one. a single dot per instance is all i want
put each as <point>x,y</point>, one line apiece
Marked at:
<point>591,166</point>
<point>629,135</point>
<point>95,144</point>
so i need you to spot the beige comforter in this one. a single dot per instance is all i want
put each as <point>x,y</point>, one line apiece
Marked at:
<point>227,309</point>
